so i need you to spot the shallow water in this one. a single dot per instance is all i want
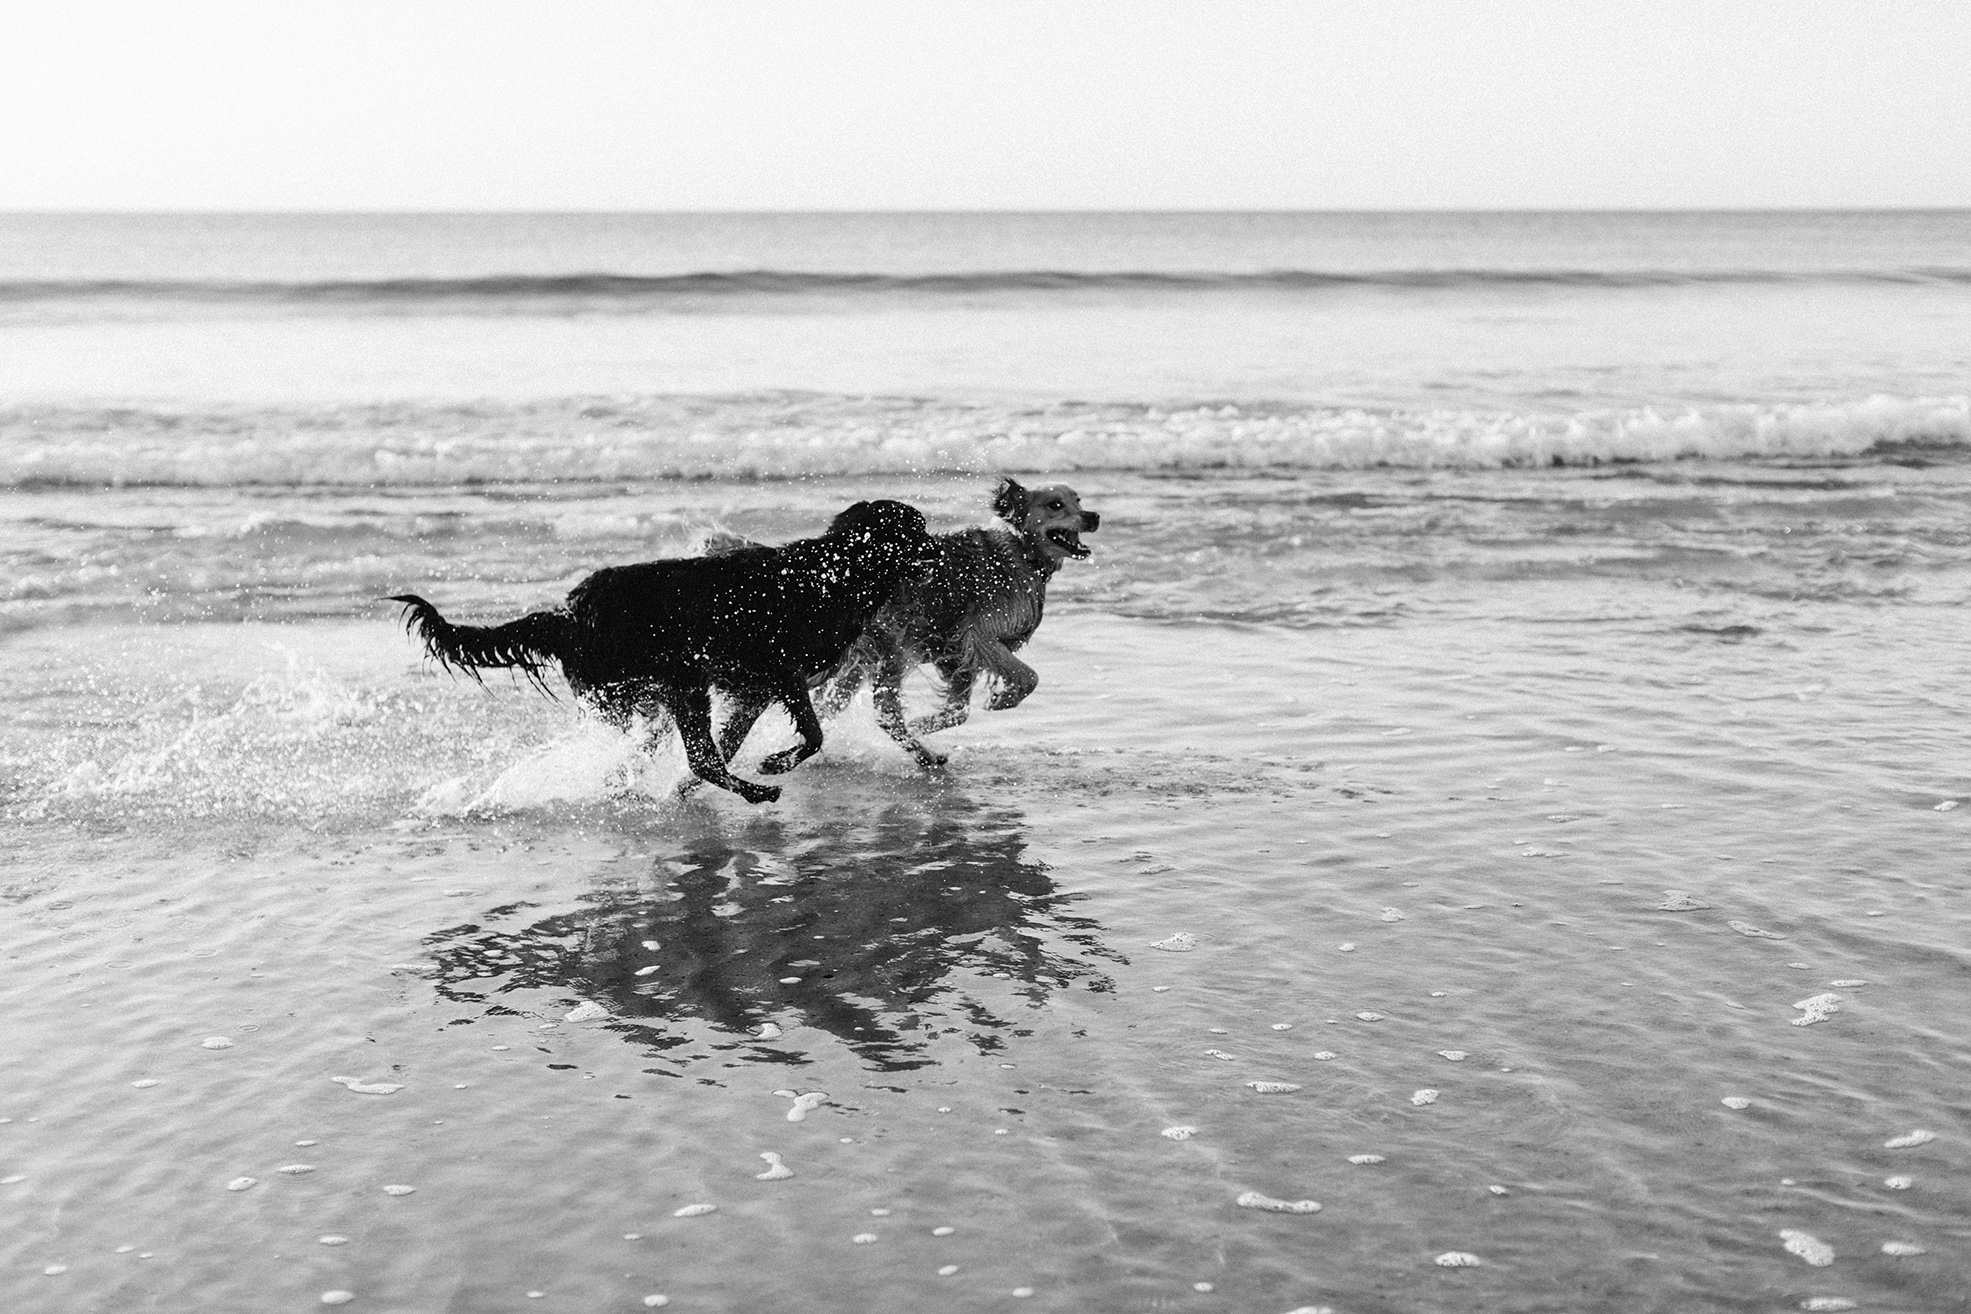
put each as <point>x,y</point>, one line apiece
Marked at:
<point>1366,739</point>
<point>286,833</point>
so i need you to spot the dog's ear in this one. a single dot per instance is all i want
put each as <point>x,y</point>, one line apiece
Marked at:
<point>849,519</point>
<point>1009,501</point>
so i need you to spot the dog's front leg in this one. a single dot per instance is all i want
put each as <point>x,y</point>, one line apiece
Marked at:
<point>957,700</point>
<point>1016,678</point>
<point>793,694</point>
<point>692,710</point>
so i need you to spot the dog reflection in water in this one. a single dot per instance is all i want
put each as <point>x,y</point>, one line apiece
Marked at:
<point>653,639</point>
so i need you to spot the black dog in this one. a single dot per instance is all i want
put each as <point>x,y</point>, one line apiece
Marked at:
<point>759,623</point>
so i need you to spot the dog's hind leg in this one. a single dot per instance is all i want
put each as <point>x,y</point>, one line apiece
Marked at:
<point>742,710</point>
<point>793,694</point>
<point>692,709</point>
<point>888,691</point>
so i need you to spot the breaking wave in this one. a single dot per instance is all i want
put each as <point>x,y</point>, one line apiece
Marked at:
<point>778,436</point>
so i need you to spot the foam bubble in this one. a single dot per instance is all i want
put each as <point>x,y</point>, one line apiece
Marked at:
<point>694,1210</point>
<point>1423,1097</point>
<point>879,1213</point>
<point>1391,915</point>
<point>1283,1026</point>
<point>947,1270</point>
<point>1220,1055</point>
<point>1371,1017</point>
<point>767,1031</point>
<point>1273,1087</point>
<point>1827,1303</point>
<point>399,1188</point>
<point>215,1042</point>
<point>1325,1054</point>
<point>943,1231</point>
<point>242,1183</point>
<point>333,1240</point>
<point>776,1170</point>
<point>1254,1200</point>
<point>55,1269</point>
<point>296,1169</point>
<point>1179,1133</point>
<point>1752,932</point>
<point>1847,985</point>
<point>1458,1259</point>
<point>1498,1190</point>
<point>1897,1183</point>
<point>1808,1246</point>
<point>656,1301</point>
<point>1365,1158</point>
<point>1909,1138</point>
<point>1439,994</point>
<point>359,1087</point>
<point>1347,947</point>
<point>1901,1248</point>
<point>1183,942</point>
<point>16,1177</point>
<point>802,1103</point>
<point>864,1238</point>
<point>1680,901</point>
<point>145,1084</point>
<point>1455,1055</point>
<point>1817,1009</point>
<point>1736,1102</point>
<point>588,1012</point>
<point>1948,805</point>
<point>337,1297</point>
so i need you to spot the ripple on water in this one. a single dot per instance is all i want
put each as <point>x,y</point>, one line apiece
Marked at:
<point>1752,932</point>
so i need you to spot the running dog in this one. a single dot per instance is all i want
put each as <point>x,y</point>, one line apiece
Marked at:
<point>758,623</point>
<point>978,602</point>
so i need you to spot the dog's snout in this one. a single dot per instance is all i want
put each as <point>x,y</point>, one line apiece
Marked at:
<point>1090,522</point>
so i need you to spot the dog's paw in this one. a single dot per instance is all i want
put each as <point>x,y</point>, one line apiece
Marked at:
<point>779,764</point>
<point>753,793</point>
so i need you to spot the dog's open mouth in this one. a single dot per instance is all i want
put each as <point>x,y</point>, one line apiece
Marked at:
<point>1068,541</point>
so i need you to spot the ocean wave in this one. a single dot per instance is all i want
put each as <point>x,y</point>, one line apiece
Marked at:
<point>656,289</point>
<point>782,437</point>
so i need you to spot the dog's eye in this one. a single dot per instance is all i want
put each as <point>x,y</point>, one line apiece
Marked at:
<point>1055,505</point>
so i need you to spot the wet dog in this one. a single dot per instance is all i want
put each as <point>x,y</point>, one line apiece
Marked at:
<point>978,602</point>
<point>653,639</point>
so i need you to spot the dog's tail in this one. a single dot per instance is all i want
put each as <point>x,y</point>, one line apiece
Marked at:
<point>527,644</point>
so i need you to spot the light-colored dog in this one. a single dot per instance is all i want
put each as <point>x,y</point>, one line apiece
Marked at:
<point>977,604</point>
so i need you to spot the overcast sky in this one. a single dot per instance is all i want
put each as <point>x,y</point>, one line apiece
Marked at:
<point>929,104</point>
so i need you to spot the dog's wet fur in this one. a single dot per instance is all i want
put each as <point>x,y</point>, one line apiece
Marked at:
<point>759,623</point>
<point>977,604</point>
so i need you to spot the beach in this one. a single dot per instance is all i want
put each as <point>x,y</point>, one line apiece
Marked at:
<point>1498,775</point>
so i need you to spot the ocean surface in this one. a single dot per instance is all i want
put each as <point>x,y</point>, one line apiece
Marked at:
<point>1517,703</point>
